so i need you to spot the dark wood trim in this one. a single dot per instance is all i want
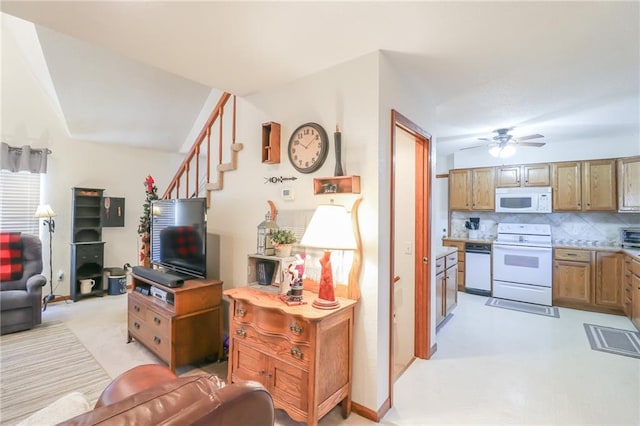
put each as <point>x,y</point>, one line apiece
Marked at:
<point>442,176</point>
<point>370,414</point>
<point>433,350</point>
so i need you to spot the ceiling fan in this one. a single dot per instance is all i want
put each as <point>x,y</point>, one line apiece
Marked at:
<point>503,144</point>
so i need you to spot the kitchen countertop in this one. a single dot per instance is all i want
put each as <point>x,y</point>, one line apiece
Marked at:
<point>630,251</point>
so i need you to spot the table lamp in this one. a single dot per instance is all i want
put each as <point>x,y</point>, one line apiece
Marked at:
<point>330,228</point>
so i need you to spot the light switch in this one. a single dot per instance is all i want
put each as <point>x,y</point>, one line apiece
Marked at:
<point>408,247</point>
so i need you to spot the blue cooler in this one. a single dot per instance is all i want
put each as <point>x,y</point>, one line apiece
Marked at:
<point>117,284</point>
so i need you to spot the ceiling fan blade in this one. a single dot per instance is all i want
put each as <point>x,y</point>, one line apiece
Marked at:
<point>536,144</point>
<point>486,139</point>
<point>528,137</point>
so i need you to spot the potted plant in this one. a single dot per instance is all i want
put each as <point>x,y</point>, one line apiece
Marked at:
<point>282,240</point>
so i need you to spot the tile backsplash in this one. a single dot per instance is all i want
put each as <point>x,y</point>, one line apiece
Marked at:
<point>566,228</point>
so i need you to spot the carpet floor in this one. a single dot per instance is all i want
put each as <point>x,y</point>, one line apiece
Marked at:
<point>57,364</point>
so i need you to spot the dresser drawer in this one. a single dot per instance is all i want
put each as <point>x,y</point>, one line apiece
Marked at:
<point>145,333</point>
<point>451,260</point>
<point>160,324</point>
<point>635,267</point>
<point>136,306</point>
<point>272,322</point>
<point>440,265</point>
<point>279,347</point>
<point>571,254</point>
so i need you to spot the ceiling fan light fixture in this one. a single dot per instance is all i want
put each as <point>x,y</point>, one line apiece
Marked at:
<point>502,152</point>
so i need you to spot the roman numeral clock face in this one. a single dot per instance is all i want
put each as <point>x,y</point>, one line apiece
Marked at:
<point>308,147</point>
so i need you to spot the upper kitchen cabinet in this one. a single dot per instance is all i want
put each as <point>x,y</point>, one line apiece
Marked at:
<point>472,189</point>
<point>629,184</point>
<point>567,189</point>
<point>525,175</point>
<point>584,185</point>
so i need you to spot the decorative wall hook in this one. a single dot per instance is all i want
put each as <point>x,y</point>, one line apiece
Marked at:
<point>279,179</point>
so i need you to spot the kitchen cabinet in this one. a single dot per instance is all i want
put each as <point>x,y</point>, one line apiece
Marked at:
<point>472,189</point>
<point>627,288</point>
<point>572,278</point>
<point>446,285</point>
<point>584,185</point>
<point>628,184</point>
<point>609,288</point>
<point>588,280</point>
<point>635,292</point>
<point>459,245</point>
<point>599,185</point>
<point>523,175</point>
<point>302,355</point>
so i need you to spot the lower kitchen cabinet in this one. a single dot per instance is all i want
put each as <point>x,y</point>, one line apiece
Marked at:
<point>589,280</point>
<point>302,355</point>
<point>446,285</point>
<point>459,245</point>
<point>634,314</point>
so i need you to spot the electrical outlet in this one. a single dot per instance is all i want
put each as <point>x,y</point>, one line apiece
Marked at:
<point>60,275</point>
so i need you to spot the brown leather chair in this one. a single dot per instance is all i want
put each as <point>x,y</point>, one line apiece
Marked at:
<point>153,395</point>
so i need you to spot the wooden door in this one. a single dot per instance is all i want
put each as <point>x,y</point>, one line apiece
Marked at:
<point>460,189</point>
<point>536,175</point>
<point>609,288</point>
<point>572,282</point>
<point>599,185</point>
<point>629,184</point>
<point>507,176</point>
<point>483,189</point>
<point>567,186</point>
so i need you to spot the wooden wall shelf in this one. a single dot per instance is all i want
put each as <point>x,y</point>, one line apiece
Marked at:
<point>337,185</point>
<point>270,142</point>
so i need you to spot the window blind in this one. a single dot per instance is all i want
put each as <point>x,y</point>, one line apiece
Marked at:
<point>19,199</point>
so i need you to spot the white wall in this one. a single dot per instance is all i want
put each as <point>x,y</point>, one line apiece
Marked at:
<point>583,149</point>
<point>30,117</point>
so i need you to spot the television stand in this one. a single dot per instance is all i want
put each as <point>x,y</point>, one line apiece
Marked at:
<point>182,332</point>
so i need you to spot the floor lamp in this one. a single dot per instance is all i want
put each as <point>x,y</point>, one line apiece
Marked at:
<point>45,212</point>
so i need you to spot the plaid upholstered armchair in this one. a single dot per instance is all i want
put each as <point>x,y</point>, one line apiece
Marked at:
<point>21,282</point>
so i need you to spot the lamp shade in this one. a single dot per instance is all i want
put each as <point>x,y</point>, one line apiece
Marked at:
<point>330,228</point>
<point>44,210</point>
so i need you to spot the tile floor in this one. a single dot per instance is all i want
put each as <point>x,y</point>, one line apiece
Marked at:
<point>493,366</point>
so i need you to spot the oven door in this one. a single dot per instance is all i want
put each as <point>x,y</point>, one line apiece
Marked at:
<point>522,264</point>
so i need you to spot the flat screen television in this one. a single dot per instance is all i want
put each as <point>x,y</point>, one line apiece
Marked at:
<point>179,235</point>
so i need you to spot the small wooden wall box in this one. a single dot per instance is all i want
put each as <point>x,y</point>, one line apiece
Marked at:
<point>337,185</point>
<point>271,142</point>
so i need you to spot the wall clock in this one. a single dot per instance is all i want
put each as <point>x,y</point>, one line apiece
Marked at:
<point>308,147</point>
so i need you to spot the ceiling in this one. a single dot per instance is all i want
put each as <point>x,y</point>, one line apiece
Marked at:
<point>567,70</point>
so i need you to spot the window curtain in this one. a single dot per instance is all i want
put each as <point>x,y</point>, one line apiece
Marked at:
<point>25,158</point>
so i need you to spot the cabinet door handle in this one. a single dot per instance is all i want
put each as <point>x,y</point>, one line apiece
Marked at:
<point>156,320</point>
<point>241,312</point>
<point>296,329</point>
<point>297,353</point>
<point>241,332</point>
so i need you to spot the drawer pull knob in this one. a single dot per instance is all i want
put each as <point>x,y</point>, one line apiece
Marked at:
<point>156,320</point>
<point>261,373</point>
<point>136,308</point>
<point>241,312</point>
<point>241,332</point>
<point>297,353</point>
<point>296,329</point>
<point>157,340</point>
<point>136,325</point>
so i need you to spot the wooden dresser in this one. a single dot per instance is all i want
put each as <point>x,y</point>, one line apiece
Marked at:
<point>301,354</point>
<point>182,331</point>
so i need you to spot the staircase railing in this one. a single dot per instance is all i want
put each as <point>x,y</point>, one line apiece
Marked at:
<point>191,169</point>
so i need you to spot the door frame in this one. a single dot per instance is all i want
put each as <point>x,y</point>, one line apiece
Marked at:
<point>422,227</point>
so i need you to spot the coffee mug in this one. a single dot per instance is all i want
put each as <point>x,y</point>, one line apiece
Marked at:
<point>86,286</point>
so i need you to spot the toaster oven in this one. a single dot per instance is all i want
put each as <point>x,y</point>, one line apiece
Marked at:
<point>630,237</point>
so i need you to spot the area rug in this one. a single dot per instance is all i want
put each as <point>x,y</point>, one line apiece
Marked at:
<point>40,365</point>
<point>530,308</point>
<point>613,340</point>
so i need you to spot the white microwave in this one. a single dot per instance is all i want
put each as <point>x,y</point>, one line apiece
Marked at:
<point>523,200</point>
